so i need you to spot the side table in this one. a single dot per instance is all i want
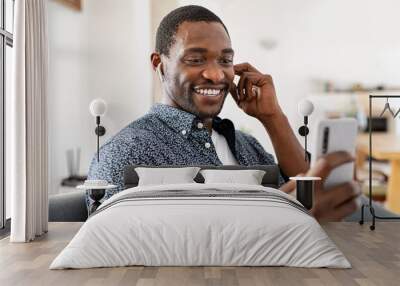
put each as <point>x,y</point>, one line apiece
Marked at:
<point>96,193</point>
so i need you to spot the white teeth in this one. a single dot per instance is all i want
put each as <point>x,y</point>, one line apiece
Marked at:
<point>208,92</point>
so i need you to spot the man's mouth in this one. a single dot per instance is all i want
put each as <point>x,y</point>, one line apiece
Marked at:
<point>210,92</point>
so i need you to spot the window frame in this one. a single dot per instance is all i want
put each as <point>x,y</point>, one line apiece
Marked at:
<point>6,39</point>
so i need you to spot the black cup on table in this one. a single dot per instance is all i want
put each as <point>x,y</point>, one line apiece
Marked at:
<point>305,190</point>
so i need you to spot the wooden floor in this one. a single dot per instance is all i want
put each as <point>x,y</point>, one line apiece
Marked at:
<point>375,256</point>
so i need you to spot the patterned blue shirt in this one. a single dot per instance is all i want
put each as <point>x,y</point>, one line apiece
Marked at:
<point>170,136</point>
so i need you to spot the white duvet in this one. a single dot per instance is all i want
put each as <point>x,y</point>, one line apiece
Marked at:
<point>220,225</point>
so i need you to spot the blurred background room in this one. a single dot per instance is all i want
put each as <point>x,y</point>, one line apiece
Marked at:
<point>334,53</point>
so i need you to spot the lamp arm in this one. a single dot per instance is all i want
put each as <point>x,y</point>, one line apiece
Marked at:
<point>98,137</point>
<point>305,138</point>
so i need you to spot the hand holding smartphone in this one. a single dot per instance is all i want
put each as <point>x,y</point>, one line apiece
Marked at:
<point>335,135</point>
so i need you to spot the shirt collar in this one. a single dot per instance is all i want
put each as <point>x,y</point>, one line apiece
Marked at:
<point>175,118</point>
<point>180,120</point>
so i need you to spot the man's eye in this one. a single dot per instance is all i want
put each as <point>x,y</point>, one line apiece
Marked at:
<point>194,61</point>
<point>226,61</point>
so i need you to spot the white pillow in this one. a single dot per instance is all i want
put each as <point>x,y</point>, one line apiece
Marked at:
<point>163,176</point>
<point>248,177</point>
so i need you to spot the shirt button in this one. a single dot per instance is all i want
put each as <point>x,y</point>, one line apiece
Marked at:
<point>207,145</point>
<point>200,125</point>
<point>184,132</point>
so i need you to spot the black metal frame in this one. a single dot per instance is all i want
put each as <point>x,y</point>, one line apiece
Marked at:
<point>369,205</point>
<point>6,39</point>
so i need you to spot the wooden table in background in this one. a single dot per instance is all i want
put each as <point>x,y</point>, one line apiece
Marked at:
<point>374,255</point>
<point>385,147</point>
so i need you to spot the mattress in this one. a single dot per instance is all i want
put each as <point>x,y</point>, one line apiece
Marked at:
<point>201,225</point>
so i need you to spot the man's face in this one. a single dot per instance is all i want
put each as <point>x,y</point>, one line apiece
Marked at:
<point>199,69</point>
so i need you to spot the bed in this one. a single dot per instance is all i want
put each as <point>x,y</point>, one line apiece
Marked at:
<point>198,224</point>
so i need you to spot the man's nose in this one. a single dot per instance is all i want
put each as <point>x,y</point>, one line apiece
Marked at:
<point>214,73</point>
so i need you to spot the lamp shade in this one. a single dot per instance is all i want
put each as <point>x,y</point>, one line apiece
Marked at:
<point>305,107</point>
<point>98,107</point>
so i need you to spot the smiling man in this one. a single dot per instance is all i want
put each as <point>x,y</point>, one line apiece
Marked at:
<point>194,59</point>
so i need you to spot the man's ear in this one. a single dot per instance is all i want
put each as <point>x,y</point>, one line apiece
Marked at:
<point>156,62</point>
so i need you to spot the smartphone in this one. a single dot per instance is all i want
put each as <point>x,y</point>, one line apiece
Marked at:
<point>335,135</point>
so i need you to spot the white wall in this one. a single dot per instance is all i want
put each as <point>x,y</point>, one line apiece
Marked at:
<point>342,41</point>
<point>158,10</point>
<point>102,51</point>
<point>68,79</point>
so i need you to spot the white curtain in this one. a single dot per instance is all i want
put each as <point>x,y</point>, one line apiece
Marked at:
<point>28,159</point>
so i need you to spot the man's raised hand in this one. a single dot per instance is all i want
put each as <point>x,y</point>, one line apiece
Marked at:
<point>255,92</point>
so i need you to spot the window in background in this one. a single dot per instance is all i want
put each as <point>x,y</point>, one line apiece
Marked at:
<point>6,44</point>
<point>9,11</point>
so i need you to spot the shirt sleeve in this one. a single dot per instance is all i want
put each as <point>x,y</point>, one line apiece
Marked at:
<point>265,158</point>
<point>109,167</point>
<point>114,157</point>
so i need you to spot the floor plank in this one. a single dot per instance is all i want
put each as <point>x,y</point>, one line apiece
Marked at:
<point>374,255</point>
